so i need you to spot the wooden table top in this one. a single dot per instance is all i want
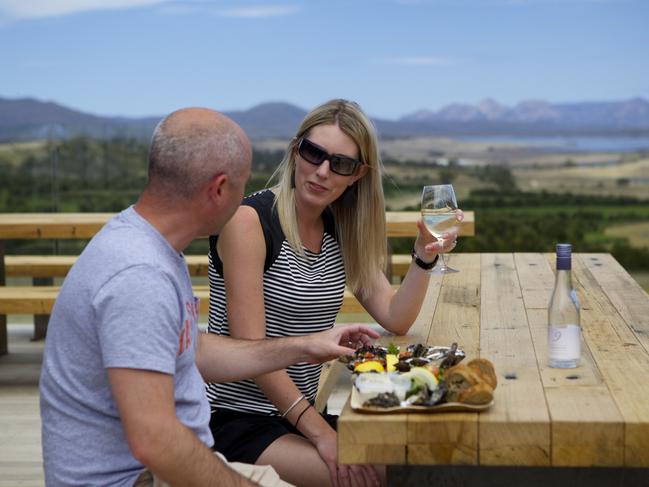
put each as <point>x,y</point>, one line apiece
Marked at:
<point>496,308</point>
<point>85,225</point>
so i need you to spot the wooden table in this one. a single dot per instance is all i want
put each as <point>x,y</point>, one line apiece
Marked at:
<point>596,415</point>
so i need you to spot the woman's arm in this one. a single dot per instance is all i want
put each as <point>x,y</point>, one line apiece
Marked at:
<point>242,250</point>
<point>397,310</point>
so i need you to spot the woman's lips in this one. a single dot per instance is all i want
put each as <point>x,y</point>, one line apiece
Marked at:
<point>316,187</point>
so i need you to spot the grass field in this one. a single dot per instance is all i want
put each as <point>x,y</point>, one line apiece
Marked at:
<point>626,178</point>
<point>636,233</point>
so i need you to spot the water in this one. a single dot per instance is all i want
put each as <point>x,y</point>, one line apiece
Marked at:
<point>576,143</point>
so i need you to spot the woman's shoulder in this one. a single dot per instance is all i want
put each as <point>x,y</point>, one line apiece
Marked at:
<point>263,198</point>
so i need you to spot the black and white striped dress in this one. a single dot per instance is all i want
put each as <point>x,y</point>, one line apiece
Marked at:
<point>302,295</point>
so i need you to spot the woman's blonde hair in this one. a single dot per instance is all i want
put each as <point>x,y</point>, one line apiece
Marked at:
<point>361,226</point>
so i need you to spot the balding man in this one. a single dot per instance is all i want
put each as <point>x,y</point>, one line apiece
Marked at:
<point>122,393</point>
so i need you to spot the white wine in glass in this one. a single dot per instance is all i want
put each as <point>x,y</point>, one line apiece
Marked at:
<point>438,210</point>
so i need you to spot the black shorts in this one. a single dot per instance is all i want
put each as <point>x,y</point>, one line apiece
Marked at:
<point>243,437</point>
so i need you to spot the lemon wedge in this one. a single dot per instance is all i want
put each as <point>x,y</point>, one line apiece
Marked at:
<point>391,361</point>
<point>423,376</point>
<point>369,366</point>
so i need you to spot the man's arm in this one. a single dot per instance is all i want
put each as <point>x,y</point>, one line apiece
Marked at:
<point>157,439</point>
<point>225,359</point>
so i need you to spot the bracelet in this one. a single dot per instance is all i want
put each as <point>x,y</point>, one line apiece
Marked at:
<point>300,416</point>
<point>424,265</point>
<point>292,406</point>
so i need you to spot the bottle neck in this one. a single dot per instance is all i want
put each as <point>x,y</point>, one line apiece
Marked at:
<point>564,279</point>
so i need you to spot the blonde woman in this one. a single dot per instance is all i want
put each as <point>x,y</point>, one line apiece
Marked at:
<point>281,265</point>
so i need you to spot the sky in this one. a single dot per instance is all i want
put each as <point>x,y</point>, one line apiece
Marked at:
<point>149,57</point>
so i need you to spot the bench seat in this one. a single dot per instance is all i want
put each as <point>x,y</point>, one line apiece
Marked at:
<point>39,300</point>
<point>59,265</point>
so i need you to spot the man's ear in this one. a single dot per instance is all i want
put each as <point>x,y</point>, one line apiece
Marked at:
<point>216,188</point>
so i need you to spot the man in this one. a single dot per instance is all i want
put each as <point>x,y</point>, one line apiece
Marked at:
<point>122,393</point>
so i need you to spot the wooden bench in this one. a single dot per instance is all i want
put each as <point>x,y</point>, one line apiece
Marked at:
<point>44,266</point>
<point>38,299</point>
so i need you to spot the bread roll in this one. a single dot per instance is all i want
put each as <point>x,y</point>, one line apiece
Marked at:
<point>480,393</point>
<point>486,370</point>
<point>471,383</point>
<point>459,378</point>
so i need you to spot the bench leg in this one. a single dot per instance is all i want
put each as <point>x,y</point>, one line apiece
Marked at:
<point>41,321</point>
<point>40,327</point>
<point>3,318</point>
<point>3,335</point>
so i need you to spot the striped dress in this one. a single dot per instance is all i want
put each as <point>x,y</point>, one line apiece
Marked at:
<point>302,295</point>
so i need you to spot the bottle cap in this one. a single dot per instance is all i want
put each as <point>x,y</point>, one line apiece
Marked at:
<point>564,253</point>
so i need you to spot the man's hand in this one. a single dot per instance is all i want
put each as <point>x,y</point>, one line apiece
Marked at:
<point>340,340</point>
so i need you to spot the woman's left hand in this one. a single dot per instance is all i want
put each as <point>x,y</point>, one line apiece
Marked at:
<point>427,246</point>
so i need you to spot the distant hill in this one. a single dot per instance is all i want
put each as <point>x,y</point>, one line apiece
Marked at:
<point>29,119</point>
<point>628,114</point>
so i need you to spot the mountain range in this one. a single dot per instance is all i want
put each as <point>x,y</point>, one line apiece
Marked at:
<point>30,119</point>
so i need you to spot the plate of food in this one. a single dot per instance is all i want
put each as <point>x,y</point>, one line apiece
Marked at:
<point>419,379</point>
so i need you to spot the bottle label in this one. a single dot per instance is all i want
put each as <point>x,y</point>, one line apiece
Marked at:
<point>564,342</point>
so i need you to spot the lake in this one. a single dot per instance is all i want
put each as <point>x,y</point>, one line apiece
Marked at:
<point>577,143</point>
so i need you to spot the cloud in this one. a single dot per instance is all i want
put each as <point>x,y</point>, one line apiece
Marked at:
<point>22,9</point>
<point>260,11</point>
<point>419,61</point>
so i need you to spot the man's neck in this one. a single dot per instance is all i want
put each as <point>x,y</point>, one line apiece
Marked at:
<point>175,223</point>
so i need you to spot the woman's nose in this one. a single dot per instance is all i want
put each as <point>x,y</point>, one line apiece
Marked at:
<point>323,169</point>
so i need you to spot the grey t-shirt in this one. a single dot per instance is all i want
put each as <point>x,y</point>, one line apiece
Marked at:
<point>126,303</point>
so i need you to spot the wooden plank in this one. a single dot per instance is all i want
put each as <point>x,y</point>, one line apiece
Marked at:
<point>516,430</point>
<point>377,438</point>
<point>328,377</point>
<point>399,264</point>
<point>27,300</point>
<point>621,358</point>
<point>404,223</point>
<point>38,265</point>
<point>59,265</point>
<point>628,297</point>
<point>451,438</point>
<point>51,225</point>
<point>420,329</point>
<point>457,311</point>
<point>85,225</point>
<point>4,348</point>
<point>40,300</point>
<point>587,427</point>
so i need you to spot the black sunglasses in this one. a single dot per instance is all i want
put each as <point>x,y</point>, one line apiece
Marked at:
<point>343,165</point>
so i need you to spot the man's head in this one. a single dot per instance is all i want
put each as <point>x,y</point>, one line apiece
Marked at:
<point>199,158</point>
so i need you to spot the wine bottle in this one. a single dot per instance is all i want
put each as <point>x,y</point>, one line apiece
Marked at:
<point>564,331</point>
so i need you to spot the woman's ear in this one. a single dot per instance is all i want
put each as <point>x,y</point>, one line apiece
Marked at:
<point>362,171</point>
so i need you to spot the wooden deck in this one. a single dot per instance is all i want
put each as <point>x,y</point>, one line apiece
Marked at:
<point>20,424</point>
<point>20,434</point>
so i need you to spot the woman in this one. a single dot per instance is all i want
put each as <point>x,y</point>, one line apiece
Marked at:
<point>281,265</point>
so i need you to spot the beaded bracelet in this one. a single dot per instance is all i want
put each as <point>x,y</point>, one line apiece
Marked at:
<point>292,406</point>
<point>300,415</point>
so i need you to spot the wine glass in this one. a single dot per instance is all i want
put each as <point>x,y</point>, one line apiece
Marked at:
<point>438,205</point>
